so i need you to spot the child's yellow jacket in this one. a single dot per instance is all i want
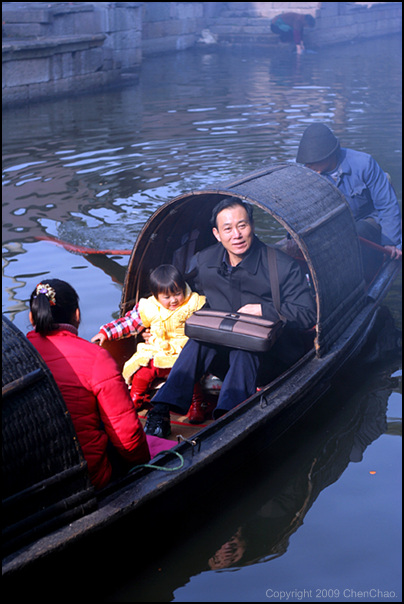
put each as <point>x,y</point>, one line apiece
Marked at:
<point>167,328</point>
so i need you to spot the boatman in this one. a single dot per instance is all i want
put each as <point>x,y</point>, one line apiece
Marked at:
<point>365,186</point>
<point>233,274</point>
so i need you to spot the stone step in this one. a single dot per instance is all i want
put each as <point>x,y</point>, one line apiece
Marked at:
<point>38,19</point>
<point>249,14</point>
<point>242,28</point>
<point>13,14</point>
<point>47,46</point>
<point>240,20</point>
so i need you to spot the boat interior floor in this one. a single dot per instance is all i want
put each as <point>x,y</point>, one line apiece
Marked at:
<point>181,428</point>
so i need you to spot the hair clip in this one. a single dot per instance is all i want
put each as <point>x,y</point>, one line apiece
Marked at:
<point>48,291</point>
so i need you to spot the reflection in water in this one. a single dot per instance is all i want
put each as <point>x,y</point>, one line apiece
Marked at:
<point>266,533</point>
<point>258,512</point>
<point>95,161</point>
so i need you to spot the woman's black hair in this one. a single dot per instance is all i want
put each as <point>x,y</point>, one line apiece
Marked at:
<point>230,202</point>
<point>53,301</point>
<point>166,279</point>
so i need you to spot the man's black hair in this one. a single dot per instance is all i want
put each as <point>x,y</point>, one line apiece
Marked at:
<point>230,202</point>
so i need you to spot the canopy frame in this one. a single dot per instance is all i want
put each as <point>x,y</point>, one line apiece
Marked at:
<point>310,208</point>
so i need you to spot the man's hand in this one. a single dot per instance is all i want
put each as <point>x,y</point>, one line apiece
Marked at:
<point>251,309</point>
<point>394,252</point>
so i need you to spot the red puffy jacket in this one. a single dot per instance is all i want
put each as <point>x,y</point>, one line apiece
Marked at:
<point>94,392</point>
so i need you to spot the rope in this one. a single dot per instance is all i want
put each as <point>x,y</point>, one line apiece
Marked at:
<point>163,468</point>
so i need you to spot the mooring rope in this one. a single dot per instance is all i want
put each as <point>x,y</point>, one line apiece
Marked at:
<point>163,468</point>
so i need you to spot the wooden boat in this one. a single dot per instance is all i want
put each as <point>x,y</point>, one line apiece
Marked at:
<point>349,314</point>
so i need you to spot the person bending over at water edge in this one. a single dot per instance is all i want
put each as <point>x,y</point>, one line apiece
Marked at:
<point>163,315</point>
<point>365,186</point>
<point>233,274</point>
<point>290,28</point>
<point>103,415</point>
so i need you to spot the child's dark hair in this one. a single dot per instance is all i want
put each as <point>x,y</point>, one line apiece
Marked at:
<point>166,279</point>
<point>230,202</point>
<point>53,301</point>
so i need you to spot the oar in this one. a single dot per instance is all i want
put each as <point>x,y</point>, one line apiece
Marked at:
<point>375,246</point>
<point>87,250</point>
<point>80,249</point>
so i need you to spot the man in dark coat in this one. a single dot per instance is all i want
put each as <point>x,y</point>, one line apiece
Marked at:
<point>234,276</point>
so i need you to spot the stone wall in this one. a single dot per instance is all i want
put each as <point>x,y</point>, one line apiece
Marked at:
<point>53,49</point>
<point>171,26</point>
<point>268,10</point>
<point>336,22</point>
<point>60,48</point>
<point>339,22</point>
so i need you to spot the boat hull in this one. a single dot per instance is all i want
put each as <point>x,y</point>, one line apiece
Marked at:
<point>217,448</point>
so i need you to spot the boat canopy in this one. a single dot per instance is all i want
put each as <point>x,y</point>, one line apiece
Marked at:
<point>45,477</point>
<point>307,205</point>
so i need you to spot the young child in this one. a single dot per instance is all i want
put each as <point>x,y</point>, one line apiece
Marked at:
<point>164,314</point>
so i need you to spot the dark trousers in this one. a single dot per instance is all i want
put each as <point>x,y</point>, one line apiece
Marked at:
<point>195,360</point>
<point>371,259</point>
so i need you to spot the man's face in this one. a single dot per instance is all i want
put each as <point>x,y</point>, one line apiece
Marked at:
<point>326,165</point>
<point>235,232</point>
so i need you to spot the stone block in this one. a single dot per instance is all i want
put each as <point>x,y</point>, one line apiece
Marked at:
<point>15,95</point>
<point>22,30</point>
<point>126,19</point>
<point>167,44</point>
<point>122,41</point>
<point>155,29</point>
<point>91,61</point>
<point>56,67</point>
<point>330,9</point>
<point>186,10</point>
<point>240,6</point>
<point>66,65</point>
<point>162,29</point>
<point>28,71</point>
<point>75,23</point>
<point>156,11</point>
<point>25,16</point>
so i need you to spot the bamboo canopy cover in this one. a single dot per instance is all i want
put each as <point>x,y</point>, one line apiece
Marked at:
<point>306,204</point>
<point>45,480</point>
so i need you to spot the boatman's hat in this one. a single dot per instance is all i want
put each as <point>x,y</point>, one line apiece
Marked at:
<point>318,142</point>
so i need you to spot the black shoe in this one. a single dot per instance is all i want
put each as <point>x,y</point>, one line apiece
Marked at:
<point>157,424</point>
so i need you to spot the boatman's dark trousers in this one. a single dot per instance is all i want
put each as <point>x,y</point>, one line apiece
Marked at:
<point>195,360</point>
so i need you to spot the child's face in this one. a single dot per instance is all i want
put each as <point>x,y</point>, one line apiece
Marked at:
<point>171,300</point>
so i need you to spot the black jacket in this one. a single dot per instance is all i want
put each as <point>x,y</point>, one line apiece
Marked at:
<point>229,288</point>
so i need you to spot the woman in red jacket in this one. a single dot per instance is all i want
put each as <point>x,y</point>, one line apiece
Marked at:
<point>91,384</point>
